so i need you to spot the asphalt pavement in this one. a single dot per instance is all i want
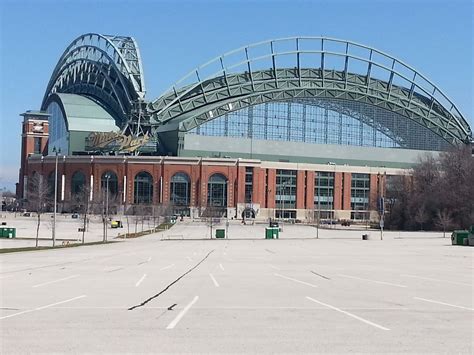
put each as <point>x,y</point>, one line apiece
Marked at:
<point>335,294</point>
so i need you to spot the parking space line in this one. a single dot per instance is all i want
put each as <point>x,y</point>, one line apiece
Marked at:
<point>54,281</point>
<point>189,258</point>
<point>222,268</point>
<point>167,267</point>
<point>43,307</point>
<point>443,303</point>
<point>295,280</point>
<point>431,279</point>
<point>182,313</point>
<point>274,267</point>
<point>149,259</point>
<point>375,281</point>
<point>214,280</point>
<point>348,314</point>
<point>140,281</point>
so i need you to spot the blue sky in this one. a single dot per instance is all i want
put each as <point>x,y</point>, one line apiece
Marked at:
<point>435,37</point>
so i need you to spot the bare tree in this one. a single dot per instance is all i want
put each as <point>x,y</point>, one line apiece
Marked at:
<point>421,216</point>
<point>444,220</point>
<point>39,199</point>
<point>81,203</point>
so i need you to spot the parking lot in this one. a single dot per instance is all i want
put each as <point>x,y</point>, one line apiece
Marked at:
<point>177,292</point>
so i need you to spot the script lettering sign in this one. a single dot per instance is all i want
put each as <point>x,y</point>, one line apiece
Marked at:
<point>115,141</point>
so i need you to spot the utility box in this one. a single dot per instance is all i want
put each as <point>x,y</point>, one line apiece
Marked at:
<point>458,236</point>
<point>220,233</point>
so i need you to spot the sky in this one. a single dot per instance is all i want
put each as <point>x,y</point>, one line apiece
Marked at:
<point>435,37</point>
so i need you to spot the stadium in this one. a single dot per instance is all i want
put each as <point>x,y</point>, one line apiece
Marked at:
<point>295,128</point>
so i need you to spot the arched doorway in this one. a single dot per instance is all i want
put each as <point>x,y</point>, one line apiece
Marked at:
<point>143,188</point>
<point>217,191</point>
<point>180,194</point>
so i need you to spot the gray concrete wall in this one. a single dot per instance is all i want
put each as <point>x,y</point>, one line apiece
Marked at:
<point>205,146</point>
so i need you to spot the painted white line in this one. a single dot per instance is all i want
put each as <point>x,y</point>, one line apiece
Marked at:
<point>149,259</point>
<point>189,258</point>
<point>51,282</point>
<point>5,277</point>
<point>140,281</point>
<point>431,279</point>
<point>182,313</point>
<point>295,280</point>
<point>274,267</point>
<point>375,281</point>
<point>214,280</point>
<point>43,307</point>
<point>348,314</point>
<point>446,304</point>
<point>222,268</point>
<point>167,267</point>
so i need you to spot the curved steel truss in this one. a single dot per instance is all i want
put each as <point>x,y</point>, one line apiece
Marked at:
<point>299,68</point>
<point>105,68</point>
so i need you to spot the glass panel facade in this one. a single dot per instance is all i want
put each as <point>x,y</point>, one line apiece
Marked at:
<point>78,183</point>
<point>360,188</point>
<point>324,190</point>
<point>285,196</point>
<point>324,121</point>
<point>58,135</point>
<point>143,188</point>
<point>217,191</point>
<point>37,145</point>
<point>113,183</point>
<point>248,184</point>
<point>180,189</point>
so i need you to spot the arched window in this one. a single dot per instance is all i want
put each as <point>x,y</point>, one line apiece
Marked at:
<point>217,191</point>
<point>78,183</point>
<point>180,189</point>
<point>112,182</point>
<point>50,183</point>
<point>143,188</point>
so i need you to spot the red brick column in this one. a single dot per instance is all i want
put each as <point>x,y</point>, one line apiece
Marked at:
<point>346,191</point>
<point>271,175</point>
<point>240,184</point>
<point>310,189</point>
<point>338,191</point>
<point>300,189</point>
<point>373,192</point>
<point>258,195</point>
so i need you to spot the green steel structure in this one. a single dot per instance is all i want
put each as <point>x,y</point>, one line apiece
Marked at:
<point>316,86</point>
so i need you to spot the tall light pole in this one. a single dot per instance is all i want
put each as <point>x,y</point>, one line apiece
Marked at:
<point>56,151</point>
<point>107,178</point>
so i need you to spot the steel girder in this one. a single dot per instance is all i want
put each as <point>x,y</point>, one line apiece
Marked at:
<point>239,82</point>
<point>106,68</point>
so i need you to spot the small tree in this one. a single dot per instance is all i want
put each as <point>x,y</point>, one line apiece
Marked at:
<point>39,199</point>
<point>81,204</point>
<point>421,216</point>
<point>444,220</point>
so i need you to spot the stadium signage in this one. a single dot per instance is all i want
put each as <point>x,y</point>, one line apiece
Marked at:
<point>114,141</point>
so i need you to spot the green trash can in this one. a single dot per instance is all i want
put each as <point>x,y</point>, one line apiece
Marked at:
<point>2,231</point>
<point>220,233</point>
<point>458,236</point>
<point>276,232</point>
<point>268,233</point>
<point>11,233</point>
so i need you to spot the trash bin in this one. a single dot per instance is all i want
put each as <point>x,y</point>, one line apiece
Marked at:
<point>458,236</point>
<point>268,233</point>
<point>11,232</point>
<point>276,233</point>
<point>1,232</point>
<point>365,236</point>
<point>220,233</point>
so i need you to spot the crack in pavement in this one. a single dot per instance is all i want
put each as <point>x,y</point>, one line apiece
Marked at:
<point>324,277</point>
<point>171,284</point>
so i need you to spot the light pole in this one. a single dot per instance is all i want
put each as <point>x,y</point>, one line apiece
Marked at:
<point>56,151</point>
<point>319,206</point>
<point>107,177</point>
